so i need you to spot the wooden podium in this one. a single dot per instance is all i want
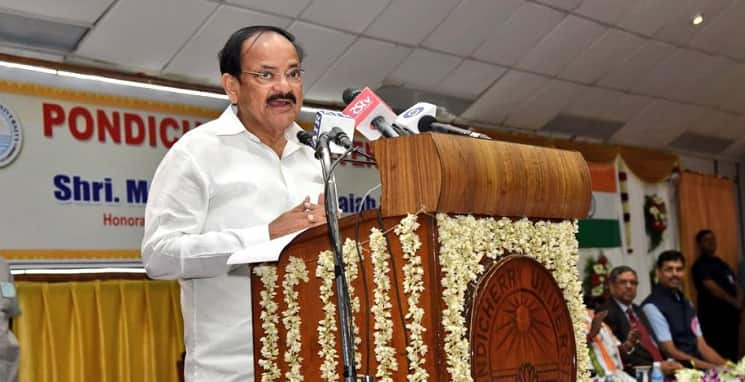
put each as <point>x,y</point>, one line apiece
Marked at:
<point>435,173</point>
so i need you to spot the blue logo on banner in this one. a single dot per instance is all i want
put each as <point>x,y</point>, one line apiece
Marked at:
<point>11,136</point>
<point>413,112</point>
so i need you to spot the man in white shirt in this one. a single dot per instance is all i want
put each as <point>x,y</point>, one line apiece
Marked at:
<point>231,183</point>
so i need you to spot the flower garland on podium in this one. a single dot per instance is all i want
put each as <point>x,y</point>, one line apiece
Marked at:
<point>413,288</point>
<point>385,354</point>
<point>464,242</point>
<point>296,272</point>
<point>269,351</point>
<point>327,325</point>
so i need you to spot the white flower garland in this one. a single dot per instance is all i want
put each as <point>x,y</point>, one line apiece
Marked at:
<point>413,283</point>
<point>352,270</point>
<point>464,240</point>
<point>269,351</point>
<point>327,325</point>
<point>385,354</point>
<point>295,272</point>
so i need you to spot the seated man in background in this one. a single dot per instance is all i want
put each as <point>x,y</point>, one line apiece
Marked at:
<point>629,323</point>
<point>673,318</point>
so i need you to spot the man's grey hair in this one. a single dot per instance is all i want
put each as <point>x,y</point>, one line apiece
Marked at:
<point>621,269</point>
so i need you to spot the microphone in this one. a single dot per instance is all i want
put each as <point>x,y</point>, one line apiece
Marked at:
<point>349,95</point>
<point>429,123</point>
<point>338,136</point>
<point>370,114</point>
<point>325,123</point>
<point>384,127</point>
<point>305,138</point>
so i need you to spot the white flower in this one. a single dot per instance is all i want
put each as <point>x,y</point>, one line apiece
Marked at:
<point>385,354</point>
<point>413,287</point>
<point>270,340</point>
<point>295,272</point>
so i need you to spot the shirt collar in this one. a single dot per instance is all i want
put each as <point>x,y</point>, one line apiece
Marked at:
<point>231,125</point>
<point>624,307</point>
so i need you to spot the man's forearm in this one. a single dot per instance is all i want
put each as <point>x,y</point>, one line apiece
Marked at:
<point>710,355</point>
<point>669,348</point>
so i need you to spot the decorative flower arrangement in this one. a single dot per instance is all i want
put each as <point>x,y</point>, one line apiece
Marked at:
<point>413,288</point>
<point>655,219</point>
<point>269,350</point>
<point>465,240</point>
<point>327,325</point>
<point>385,354</point>
<point>730,373</point>
<point>352,270</point>
<point>595,283</point>
<point>295,272</point>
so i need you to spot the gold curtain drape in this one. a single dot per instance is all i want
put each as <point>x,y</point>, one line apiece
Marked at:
<point>112,330</point>
<point>707,201</point>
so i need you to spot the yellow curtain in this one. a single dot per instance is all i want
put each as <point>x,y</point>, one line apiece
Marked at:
<point>707,201</point>
<point>112,330</point>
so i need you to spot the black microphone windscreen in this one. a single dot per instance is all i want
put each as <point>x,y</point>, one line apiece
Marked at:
<point>305,138</point>
<point>425,123</point>
<point>350,94</point>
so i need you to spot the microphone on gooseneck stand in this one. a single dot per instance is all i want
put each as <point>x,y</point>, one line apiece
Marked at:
<point>324,124</point>
<point>305,138</point>
<point>423,117</point>
<point>429,123</point>
<point>371,115</point>
<point>340,137</point>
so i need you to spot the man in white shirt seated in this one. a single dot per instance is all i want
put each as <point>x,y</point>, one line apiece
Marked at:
<point>673,318</point>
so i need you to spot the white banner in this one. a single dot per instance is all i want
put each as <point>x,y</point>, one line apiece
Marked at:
<point>75,168</point>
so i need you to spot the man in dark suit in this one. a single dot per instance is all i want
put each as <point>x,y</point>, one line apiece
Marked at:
<point>630,324</point>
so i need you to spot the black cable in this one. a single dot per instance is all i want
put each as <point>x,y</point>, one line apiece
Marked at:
<point>395,283</point>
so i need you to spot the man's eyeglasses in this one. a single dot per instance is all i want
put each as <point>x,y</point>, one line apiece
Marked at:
<point>627,282</point>
<point>267,77</point>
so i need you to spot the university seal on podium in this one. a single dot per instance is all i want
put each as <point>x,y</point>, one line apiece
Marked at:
<point>521,329</point>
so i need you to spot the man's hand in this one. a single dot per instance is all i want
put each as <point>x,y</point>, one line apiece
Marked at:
<point>597,323</point>
<point>633,336</point>
<point>669,367</point>
<point>304,215</point>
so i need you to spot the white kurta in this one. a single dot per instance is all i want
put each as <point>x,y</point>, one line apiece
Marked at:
<point>215,192</point>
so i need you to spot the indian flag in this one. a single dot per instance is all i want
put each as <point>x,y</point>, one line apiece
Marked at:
<point>602,228</point>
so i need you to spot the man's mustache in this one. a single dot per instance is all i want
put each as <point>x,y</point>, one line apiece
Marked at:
<point>287,97</point>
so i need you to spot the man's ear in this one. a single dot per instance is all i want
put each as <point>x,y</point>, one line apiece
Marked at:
<point>231,86</point>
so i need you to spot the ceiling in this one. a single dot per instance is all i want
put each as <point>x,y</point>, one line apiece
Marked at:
<point>635,72</point>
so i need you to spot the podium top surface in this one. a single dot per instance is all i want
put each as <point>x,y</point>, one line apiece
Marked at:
<point>453,174</point>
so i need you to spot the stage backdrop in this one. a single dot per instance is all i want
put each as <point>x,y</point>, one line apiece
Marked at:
<point>76,165</point>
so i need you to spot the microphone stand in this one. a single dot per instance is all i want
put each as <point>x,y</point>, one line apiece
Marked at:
<point>342,291</point>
